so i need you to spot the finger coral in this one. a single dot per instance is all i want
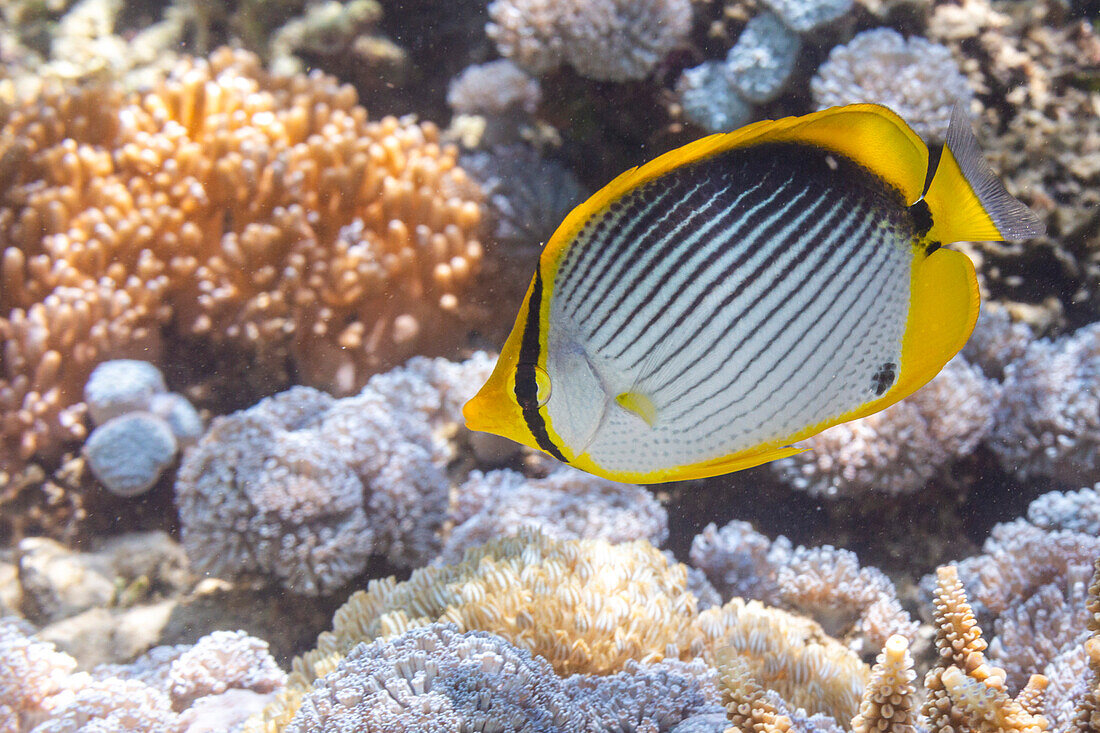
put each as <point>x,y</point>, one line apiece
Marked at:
<point>889,700</point>
<point>245,209</point>
<point>608,40</point>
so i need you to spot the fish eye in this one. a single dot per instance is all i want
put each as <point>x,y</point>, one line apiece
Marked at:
<point>533,385</point>
<point>542,382</point>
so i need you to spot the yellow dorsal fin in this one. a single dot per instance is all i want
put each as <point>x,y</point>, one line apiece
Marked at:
<point>967,201</point>
<point>869,134</point>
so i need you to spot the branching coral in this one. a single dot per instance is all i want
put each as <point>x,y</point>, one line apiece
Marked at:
<point>898,450</point>
<point>889,699</point>
<point>916,78</point>
<point>963,690</point>
<point>610,40</point>
<point>248,209</point>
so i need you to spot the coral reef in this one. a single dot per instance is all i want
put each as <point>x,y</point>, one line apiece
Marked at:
<point>1048,422</point>
<point>567,504</point>
<point>41,688</point>
<point>253,211</point>
<point>304,488</point>
<point>587,607</point>
<point>857,604</point>
<point>607,40</point>
<point>437,678</point>
<point>915,77</point>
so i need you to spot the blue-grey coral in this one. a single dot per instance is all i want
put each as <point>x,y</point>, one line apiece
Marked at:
<point>1048,423</point>
<point>607,40</point>
<point>304,488</point>
<point>567,504</point>
<point>805,15</point>
<point>121,385</point>
<point>763,58</point>
<point>898,450</point>
<point>128,453</point>
<point>494,88</point>
<point>708,99</point>
<point>915,77</point>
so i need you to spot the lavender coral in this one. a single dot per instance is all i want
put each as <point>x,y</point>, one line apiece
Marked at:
<point>1048,423</point>
<point>304,488</point>
<point>916,78</point>
<point>859,604</point>
<point>438,678</point>
<point>41,689</point>
<point>567,504</point>
<point>497,87</point>
<point>608,40</point>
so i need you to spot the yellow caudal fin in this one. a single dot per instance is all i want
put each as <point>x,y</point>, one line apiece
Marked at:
<point>966,199</point>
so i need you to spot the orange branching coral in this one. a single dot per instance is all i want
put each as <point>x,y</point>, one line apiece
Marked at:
<point>747,705</point>
<point>243,208</point>
<point>964,692</point>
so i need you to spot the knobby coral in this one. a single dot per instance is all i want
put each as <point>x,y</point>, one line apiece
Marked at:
<point>609,40</point>
<point>41,688</point>
<point>304,488</point>
<point>828,584</point>
<point>238,207</point>
<point>915,77</point>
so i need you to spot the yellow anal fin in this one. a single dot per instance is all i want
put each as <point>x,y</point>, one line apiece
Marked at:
<point>728,464</point>
<point>640,405</point>
<point>967,200</point>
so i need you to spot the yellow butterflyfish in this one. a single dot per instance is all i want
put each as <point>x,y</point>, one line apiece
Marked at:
<point>706,311</point>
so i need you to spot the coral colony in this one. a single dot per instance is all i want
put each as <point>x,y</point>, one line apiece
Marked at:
<point>254,258</point>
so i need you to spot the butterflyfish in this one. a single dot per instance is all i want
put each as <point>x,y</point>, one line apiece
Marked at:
<point>706,311</point>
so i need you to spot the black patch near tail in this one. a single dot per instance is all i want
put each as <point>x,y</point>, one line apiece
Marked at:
<point>884,378</point>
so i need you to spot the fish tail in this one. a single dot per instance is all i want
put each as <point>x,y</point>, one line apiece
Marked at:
<point>966,200</point>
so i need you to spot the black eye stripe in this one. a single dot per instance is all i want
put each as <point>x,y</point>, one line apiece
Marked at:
<point>527,388</point>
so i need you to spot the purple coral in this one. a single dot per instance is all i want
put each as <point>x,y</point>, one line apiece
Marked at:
<point>1048,423</point>
<point>567,504</point>
<point>607,40</point>
<point>496,88</point>
<point>435,678</point>
<point>304,488</point>
<point>825,583</point>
